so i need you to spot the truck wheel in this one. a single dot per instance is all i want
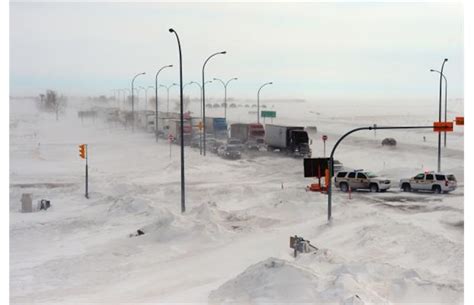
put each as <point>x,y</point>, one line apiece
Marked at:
<point>374,188</point>
<point>436,189</point>
<point>344,187</point>
<point>406,187</point>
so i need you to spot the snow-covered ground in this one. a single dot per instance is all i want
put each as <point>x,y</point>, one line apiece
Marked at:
<point>232,244</point>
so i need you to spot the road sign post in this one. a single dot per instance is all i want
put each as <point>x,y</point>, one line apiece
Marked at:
<point>325,137</point>
<point>268,114</point>
<point>170,139</point>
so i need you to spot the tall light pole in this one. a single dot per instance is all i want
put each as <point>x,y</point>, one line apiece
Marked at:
<point>183,206</point>
<point>258,100</point>
<point>440,93</point>
<point>445,101</point>
<point>200,114</point>
<point>204,98</point>
<point>133,102</point>
<point>146,96</point>
<point>168,94</point>
<point>118,97</point>
<point>156,100</point>
<point>125,97</point>
<point>225,93</point>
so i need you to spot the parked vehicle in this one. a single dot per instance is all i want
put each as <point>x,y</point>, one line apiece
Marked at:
<point>229,151</point>
<point>251,135</point>
<point>431,182</point>
<point>235,141</point>
<point>337,166</point>
<point>217,127</point>
<point>292,140</point>
<point>359,179</point>
<point>214,146</point>
<point>175,131</point>
<point>196,140</point>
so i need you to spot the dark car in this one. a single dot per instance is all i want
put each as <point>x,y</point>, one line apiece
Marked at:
<point>236,142</point>
<point>230,151</point>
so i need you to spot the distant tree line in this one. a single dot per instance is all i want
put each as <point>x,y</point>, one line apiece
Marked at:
<point>51,101</point>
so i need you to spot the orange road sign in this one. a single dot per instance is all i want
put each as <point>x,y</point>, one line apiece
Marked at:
<point>442,126</point>
<point>459,120</point>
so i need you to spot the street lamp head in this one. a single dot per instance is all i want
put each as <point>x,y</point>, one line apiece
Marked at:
<point>270,83</point>
<point>143,73</point>
<point>175,84</point>
<point>224,52</point>
<point>171,30</point>
<point>169,66</point>
<point>235,78</point>
<point>445,59</point>
<point>431,70</point>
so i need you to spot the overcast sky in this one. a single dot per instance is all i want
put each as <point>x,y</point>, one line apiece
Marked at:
<point>310,51</point>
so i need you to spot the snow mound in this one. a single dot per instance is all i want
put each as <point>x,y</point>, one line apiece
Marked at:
<point>202,223</point>
<point>270,281</point>
<point>129,206</point>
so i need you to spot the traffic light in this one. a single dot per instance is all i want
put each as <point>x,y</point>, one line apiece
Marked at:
<point>82,151</point>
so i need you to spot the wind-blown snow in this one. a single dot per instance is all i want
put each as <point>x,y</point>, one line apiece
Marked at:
<point>232,244</point>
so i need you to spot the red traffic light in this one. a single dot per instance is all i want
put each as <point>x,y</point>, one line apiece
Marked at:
<point>82,151</point>
<point>325,137</point>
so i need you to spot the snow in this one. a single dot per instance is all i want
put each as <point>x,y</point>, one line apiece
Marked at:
<point>232,243</point>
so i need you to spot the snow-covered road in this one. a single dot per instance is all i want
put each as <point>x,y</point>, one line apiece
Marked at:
<point>232,244</point>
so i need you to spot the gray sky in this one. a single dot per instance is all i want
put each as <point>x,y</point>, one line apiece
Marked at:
<point>311,51</point>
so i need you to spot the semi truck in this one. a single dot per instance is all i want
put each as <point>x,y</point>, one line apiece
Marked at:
<point>216,127</point>
<point>175,131</point>
<point>252,135</point>
<point>292,140</point>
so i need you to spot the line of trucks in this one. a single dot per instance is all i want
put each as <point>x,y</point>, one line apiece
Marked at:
<point>291,140</point>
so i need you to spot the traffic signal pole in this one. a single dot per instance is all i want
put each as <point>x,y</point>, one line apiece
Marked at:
<point>331,157</point>
<point>87,172</point>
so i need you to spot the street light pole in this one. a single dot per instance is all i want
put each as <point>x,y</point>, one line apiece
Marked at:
<point>183,205</point>
<point>156,100</point>
<point>440,93</point>
<point>204,98</point>
<point>258,100</point>
<point>125,97</point>
<point>200,114</point>
<point>445,101</point>
<point>146,97</point>
<point>133,103</point>
<point>225,93</point>
<point>168,96</point>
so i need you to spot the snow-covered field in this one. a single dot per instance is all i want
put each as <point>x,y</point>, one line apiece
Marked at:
<point>232,244</point>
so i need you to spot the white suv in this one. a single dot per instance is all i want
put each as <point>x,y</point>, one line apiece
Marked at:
<point>430,181</point>
<point>361,180</point>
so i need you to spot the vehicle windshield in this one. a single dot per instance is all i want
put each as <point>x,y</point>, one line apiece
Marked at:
<point>233,148</point>
<point>371,175</point>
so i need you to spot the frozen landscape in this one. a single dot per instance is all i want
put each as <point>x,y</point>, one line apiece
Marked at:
<point>231,246</point>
